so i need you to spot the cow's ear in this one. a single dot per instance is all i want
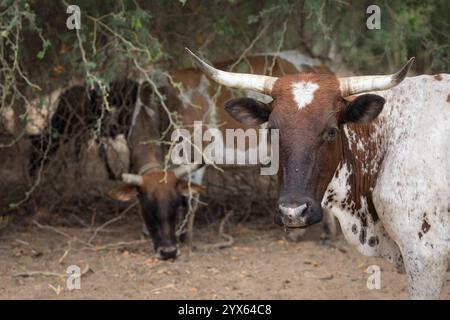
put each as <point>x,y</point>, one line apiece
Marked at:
<point>183,188</point>
<point>124,193</point>
<point>363,108</point>
<point>248,111</point>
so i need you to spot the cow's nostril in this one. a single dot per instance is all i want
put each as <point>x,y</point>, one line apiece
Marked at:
<point>293,211</point>
<point>298,213</point>
<point>277,219</point>
<point>170,252</point>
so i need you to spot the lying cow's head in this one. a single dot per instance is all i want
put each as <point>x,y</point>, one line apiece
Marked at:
<point>160,193</point>
<point>309,111</point>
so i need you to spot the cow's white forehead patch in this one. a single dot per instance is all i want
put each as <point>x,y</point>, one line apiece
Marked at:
<point>304,92</point>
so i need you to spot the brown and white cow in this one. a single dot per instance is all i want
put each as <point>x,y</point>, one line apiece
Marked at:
<point>77,113</point>
<point>382,168</point>
<point>139,116</point>
<point>197,100</point>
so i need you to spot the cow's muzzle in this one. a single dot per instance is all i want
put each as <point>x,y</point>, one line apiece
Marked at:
<point>298,214</point>
<point>167,252</point>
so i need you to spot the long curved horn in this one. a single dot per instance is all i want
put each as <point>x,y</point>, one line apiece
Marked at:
<point>183,170</point>
<point>133,179</point>
<point>354,85</point>
<point>259,83</point>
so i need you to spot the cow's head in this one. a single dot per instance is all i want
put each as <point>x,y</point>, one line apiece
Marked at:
<point>309,111</point>
<point>160,193</point>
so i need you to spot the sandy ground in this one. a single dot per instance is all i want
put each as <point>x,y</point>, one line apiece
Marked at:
<point>261,264</point>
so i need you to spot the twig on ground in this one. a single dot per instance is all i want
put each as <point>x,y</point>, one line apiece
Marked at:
<point>116,245</point>
<point>119,217</point>
<point>61,233</point>
<point>229,239</point>
<point>169,286</point>
<point>26,243</point>
<point>27,274</point>
<point>60,260</point>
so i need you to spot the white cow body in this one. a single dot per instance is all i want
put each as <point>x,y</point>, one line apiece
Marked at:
<point>411,193</point>
<point>391,189</point>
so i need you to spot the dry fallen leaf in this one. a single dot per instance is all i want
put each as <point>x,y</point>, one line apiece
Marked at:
<point>64,49</point>
<point>153,261</point>
<point>319,276</point>
<point>213,271</point>
<point>57,290</point>
<point>165,271</point>
<point>58,69</point>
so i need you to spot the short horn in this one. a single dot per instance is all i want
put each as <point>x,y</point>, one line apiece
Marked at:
<point>355,85</point>
<point>259,83</point>
<point>133,179</point>
<point>183,170</point>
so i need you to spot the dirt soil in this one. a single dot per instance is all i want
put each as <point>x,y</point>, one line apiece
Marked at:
<point>261,264</point>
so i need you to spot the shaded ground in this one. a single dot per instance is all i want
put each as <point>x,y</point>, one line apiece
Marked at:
<point>260,265</point>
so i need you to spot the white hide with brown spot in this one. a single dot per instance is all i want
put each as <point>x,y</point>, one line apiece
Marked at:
<point>412,192</point>
<point>377,242</point>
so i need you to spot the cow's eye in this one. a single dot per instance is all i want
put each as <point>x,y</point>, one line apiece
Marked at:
<point>330,134</point>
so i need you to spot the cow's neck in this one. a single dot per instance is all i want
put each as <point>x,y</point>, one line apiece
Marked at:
<point>349,194</point>
<point>362,153</point>
<point>352,184</point>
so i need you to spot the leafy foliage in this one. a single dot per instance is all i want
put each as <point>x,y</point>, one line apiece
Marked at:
<point>129,37</point>
<point>38,53</point>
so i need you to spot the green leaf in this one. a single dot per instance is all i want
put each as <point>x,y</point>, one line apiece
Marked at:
<point>136,22</point>
<point>45,45</point>
<point>41,55</point>
<point>252,19</point>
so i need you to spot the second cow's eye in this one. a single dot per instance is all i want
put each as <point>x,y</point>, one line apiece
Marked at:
<point>330,134</point>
